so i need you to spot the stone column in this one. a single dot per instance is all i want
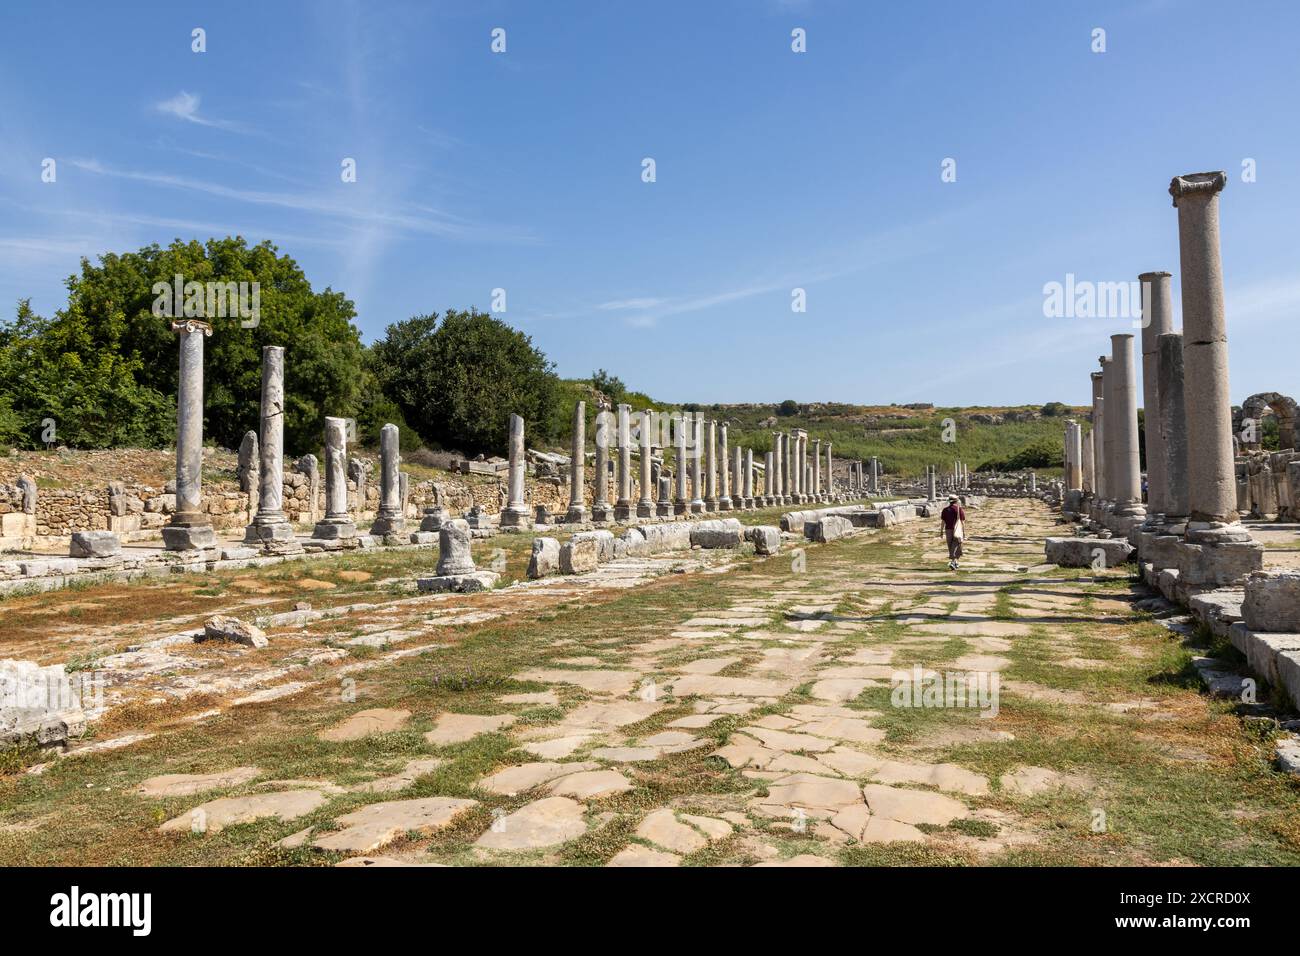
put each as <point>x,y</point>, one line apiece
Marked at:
<point>1074,479</point>
<point>337,523</point>
<point>697,473</point>
<point>600,507</point>
<point>645,505</point>
<point>830,472</point>
<point>190,529</point>
<point>1111,428</point>
<point>772,484</point>
<point>664,503</point>
<point>577,511</point>
<point>1157,320</point>
<point>1089,478</point>
<point>390,520</point>
<point>930,476</point>
<point>787,469</point>
<point>1128,468</point>
<point>711,465</point>
<point>270,528</point>
<point>623,505</point>
<point>1218,550</point>
<point>515,513</point>
<point>736,489</point>
<point>680,503</point>
<point>749,478</point>
<point>1173,427</point>
<point>817,470</point>
<point>1099,434</point>
<point>724,482</point>
<point>769,475</point>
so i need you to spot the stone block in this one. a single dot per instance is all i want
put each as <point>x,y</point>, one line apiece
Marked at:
<point>545,558</point>
<point>223,628</point>
<point>579,555</point>
<point>461,583</point>
<point>766,539</point>
<point>1288,674</point>
<point>1272,601</point>
<point>604,542</point>
<point>1219,564</point>
<point>1081,552</point>
<point>719,533</point>
<point>827,528</point>
<point>1264,652</point>
<point>673,536</point>
<point>94,544</point>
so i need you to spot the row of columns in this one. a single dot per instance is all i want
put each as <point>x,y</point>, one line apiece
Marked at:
<point>1189,520</point>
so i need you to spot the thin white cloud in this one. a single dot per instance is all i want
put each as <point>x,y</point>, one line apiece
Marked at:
<point>185,106</point>
<point>620,305</point>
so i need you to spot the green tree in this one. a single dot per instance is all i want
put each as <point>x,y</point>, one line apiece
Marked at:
<point>611,386</point>
<point>787,408</point>
<point>458,378</point>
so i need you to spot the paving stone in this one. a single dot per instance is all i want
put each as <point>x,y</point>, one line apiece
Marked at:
<point>543,823</point>
<point>188,784</point>
<point>403,779</point>
<point>379,824</point>
<point>637,855</point>
<point>913,806</point>
<point>457,728</point>
<point>804,859</point>
<point>663,828</point>
<point>701,685</point>
<point>216,815</point>
<point>591,784</point>
<point>596,681</point>
<point>513,780</point>
<point>363,723</point>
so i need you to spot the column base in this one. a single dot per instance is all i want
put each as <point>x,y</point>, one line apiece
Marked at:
<point>385,524</point>
<point>663,508</point>
<point>680,507</point>
<point>697,507</point>
<point>645,509</point>
<point>188,537</point>
<point>336,529</point>
<point>1217,555</point>
<point>576,514</point>
<point>601,512</point>
<point>514,517</point>
<point>724,504</point>
<point>623,511</point>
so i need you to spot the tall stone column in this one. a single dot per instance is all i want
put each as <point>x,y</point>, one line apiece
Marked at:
<point>645,505</point>
<point>749,478</point>
<point>190,529</point>
<point>1089,478</point>
<point>736,487</point>
<point>577,511</point>
<point>875,475</point>
<point>1099,434</point>
<point>1157,320</point>
<point>1111,428</point>
<point>788,469</point>
<point>711,465</point>
<point>930,476</point>
<point>724,482</point>
<point>817,470</point>
<point>680,503</point>
<point>337,524</point>
<point>1218,550</point>
<point>270,528</point>
<point>389,519</point>
<point>623,506</point>
<point>1076,457</point>
<point>769,476</point>
<point>773,481</point>
<point>1173,427</point>
<point>697,464</point>
<point>800,490</point>
<point>1129,509</point>
<point>515,514</point>
<point>830,472</point>
<point>600,507</point>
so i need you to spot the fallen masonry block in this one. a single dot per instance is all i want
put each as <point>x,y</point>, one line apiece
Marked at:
<point>719,533</point>
<point>672,536</point>
<point>1272,601</point>
<point>631,544</point>
<point>223,628</point>
<point>460,583</point>
<point>1083,552</point>
<point>545,559</point>
<point>94,544</point>
<point>827,528</point>
<point>40,705</point>
<point>579,555</point>
<point>766,539</point>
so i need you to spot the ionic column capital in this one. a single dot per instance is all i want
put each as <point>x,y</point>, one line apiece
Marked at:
<point>1202,186</point>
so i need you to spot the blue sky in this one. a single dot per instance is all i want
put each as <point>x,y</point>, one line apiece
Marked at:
<point>775,170</point>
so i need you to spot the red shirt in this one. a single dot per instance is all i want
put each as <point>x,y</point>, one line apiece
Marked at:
<point>951,515</point>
